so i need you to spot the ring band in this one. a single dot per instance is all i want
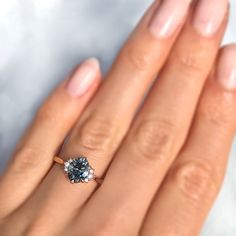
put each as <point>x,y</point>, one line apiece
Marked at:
<point>78,170</point>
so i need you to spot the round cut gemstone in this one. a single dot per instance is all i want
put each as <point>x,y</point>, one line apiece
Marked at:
<point>78,170</point>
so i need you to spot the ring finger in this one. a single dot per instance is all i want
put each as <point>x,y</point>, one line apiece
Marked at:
<point>34,154</point>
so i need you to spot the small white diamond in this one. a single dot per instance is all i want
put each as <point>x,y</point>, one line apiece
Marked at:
<point>90,177</point>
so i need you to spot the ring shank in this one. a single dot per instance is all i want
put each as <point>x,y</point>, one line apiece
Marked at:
<point>98,180</point>
<point>58,160</point>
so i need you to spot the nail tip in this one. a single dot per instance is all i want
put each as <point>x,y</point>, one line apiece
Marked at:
<point>167,18</point>
<point>209,16</point>
<point>93,60</point>
<point>83,77</point>
<point>226,67</point>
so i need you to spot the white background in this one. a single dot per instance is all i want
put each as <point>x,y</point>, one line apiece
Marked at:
<point>41,40</point>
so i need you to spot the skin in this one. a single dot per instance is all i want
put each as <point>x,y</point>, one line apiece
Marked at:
<point>162,160</point>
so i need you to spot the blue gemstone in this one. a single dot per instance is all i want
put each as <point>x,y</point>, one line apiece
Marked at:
<point>78,170</point>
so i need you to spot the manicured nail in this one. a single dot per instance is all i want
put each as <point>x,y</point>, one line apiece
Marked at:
<point>83,77</point>
<point>226,70</point>
<point>209,15</point>
<point>168,17</point>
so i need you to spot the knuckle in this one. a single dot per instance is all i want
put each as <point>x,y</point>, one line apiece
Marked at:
<point>195,180</point>
<point>140,60</point>
<point>153,139</point>
<point>27,158</point>
<point>217,112</point>
<point>96,134</point>
<point>190,62</point>
<point>46,113</point>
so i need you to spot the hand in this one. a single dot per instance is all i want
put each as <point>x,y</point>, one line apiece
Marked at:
<point>162,162</point>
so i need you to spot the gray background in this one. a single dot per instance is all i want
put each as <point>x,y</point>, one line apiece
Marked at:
<point>41,40</point>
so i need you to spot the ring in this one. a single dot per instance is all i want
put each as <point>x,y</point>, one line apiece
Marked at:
<point>78,170</point>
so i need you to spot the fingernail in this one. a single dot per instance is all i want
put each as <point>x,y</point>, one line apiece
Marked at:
<point>209,15</point>
<point>226,70</point>
<point>83,77</point>
<point>168,17</point>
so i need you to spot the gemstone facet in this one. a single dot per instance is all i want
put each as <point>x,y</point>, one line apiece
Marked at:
<point>78,170</point>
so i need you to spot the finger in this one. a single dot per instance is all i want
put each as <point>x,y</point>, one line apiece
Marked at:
<point>187,194</point>
<point>107,119</point>
<point>52,122</point>
<point>156,136</point>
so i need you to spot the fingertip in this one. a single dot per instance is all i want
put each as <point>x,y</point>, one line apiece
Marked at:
<point>226,67</point>
<point>94,62</point>
<point>83,77</point>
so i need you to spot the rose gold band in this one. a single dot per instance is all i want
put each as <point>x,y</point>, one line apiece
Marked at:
<point>58,160</point>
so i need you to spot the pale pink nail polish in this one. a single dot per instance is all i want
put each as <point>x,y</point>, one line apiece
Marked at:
<point>226,68</point>
<point>168,17</point>
<point>209,15</point>
<point>83,77</point>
